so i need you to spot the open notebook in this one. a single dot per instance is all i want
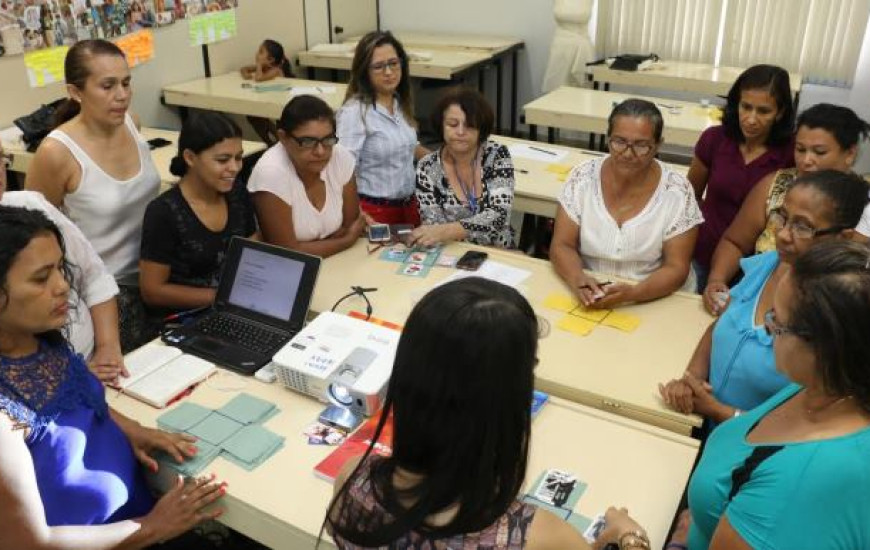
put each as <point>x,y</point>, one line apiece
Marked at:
<point>159,373</point>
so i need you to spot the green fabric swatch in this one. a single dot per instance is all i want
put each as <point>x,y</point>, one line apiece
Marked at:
<point>215,428</point>
<point>247,409</point>
<point>182,417</point>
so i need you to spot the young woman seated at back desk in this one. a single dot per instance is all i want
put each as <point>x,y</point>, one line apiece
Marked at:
<point>270,63</point>
<point>303,187</point>
<point>187,229</point>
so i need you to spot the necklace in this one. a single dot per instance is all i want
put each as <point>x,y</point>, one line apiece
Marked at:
<point>468,190</point>
<point>811,412</point>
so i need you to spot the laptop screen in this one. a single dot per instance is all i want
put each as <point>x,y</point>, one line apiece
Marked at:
<point>266,283</point>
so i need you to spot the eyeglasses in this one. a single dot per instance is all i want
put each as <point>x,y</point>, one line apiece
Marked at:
<point>799,230</point>
<point>308,142</point>
<point>639,148</point>
<point>774,328</point>
<point>392,64</point>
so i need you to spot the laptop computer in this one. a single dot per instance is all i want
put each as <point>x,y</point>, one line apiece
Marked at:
<point>261,303</point>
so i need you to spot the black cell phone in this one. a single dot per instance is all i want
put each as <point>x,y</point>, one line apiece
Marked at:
<point>158,142</point>
<point>471,260</point>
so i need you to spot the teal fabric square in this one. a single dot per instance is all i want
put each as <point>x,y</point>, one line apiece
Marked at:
<point>247,409</point>
<point>182,417</point>
<point>558,512</point>
<point>195,464</point>
<point>579,522</point>
<point>252,443</point>
<point>215,428</point>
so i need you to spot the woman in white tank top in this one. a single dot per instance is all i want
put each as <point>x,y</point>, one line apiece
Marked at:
<point>95,166</point>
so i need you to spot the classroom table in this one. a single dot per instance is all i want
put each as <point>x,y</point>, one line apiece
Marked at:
<point>679,76</point>
<point>230,93</point>
<point>539,182</point>
<point>607,369</point>
<point>587,111</point>
<point>281,504</point>
<point>162,156</point>
<point>499,47</point>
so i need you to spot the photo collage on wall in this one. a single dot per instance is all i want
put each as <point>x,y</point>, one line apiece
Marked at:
<point>29,25</point>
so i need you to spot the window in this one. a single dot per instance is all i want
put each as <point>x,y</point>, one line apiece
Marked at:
<point>820,39</point>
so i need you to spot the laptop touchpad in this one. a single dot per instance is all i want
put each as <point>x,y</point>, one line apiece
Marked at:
<point>208,345</point>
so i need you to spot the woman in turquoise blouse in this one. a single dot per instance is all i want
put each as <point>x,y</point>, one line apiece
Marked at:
<point>793,472</point>
<point>732,369</point>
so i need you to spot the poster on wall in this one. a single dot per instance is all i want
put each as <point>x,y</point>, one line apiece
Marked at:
<point>212,27</point>
<point>30,25</point>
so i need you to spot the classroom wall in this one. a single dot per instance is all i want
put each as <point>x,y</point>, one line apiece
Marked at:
<point>175,61</point>
<point>531,21</point>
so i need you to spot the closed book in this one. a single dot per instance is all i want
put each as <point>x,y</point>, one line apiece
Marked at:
<point>355,446</point>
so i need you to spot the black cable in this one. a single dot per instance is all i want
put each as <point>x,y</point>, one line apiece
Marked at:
<point>358,291</point>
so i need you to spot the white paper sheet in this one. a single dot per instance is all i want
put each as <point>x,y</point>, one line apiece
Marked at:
<point>494,271</point>
<point>537,152</point>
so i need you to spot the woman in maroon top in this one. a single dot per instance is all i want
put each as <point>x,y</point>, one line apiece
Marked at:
<point>754,139</point>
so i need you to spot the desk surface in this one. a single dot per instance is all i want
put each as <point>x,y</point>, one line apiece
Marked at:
<point>681,76</point>
<point>460,42</point>
<point>226,93</point>
<point>537,190</point>
<point>281,504</point>
<point>587,111</point>
<point>607,369</point>
<point>162,156</point>
<point>443,65</point>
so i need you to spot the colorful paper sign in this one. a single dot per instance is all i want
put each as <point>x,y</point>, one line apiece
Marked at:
<point>45,67</point>
<point>212,27</point>
<point>137,47</point>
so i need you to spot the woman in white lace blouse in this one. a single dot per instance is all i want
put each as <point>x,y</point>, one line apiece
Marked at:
<point>465,189</point>
<point>628,215</point>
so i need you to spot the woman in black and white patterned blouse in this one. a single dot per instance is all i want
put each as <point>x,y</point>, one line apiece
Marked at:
<point>465,190</point>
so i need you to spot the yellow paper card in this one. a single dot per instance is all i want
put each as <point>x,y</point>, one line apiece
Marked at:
<point>594,315</point>
<point>576,325</point>
<point>561,169</point>
<point>561,302</point>
<point>621,321</point>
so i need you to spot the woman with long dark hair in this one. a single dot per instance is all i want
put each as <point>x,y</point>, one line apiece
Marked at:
<point>460,399</point>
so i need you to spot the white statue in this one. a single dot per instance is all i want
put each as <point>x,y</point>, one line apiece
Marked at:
<point>571,48</point>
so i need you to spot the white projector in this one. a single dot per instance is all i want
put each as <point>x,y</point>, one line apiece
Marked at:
<point>340,360</point>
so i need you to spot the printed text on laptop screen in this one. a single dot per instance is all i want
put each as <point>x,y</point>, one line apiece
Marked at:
<point>266,283</point>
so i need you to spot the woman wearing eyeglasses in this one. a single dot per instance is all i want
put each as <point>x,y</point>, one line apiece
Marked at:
<point>376,124</point>
<point>792,473</point>
<point>827,138</point>
<point>304,190</point>
<point>628,215</point>
<point>732,369</point>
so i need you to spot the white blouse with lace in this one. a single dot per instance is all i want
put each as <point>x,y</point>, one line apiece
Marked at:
<point>633,250</point>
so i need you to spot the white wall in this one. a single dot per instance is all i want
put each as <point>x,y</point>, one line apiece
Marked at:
<point>530,20</point>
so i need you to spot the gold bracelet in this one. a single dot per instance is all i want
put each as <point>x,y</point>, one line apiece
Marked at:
<point>638,539</point>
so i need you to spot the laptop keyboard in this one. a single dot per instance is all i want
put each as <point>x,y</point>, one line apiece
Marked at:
<point>247,335</point>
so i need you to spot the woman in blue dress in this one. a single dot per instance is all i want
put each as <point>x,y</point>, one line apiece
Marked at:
<point>732,369</point>
<point>70,472</point>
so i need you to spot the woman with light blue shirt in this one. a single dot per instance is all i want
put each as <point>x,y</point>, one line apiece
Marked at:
<point>732,369</point>
<point>793,472</point>
<point>376,124</point>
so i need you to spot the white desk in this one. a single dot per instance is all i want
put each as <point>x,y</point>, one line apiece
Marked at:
<point>587,111</point>
<point>281,504</point>
<point>443,65</point>
<point>607,369</point>
<point>537,189</point>
<point>21,158</point>
<point>680,76</point>
<point>230,93</point>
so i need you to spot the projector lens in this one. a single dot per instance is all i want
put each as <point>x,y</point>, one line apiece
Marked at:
<point>340,394</point>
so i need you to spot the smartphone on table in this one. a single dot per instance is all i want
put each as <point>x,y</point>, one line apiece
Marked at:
<point>379,233</point>
<point>471,260</point>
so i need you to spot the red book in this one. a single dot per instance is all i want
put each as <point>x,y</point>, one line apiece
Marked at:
<point>355,446</point>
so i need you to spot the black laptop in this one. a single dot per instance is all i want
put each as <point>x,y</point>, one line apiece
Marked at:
<point>261,303</point>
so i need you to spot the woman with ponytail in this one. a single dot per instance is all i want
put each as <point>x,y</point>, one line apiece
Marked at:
<point>187,229</point>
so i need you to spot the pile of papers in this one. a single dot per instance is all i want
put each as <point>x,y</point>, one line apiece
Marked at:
<point>234,432</point>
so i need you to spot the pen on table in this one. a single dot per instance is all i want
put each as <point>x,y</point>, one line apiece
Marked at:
<point>522,170</point>
<point>542,150</point>
<point>605,283</point>
<point>187,313</point>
